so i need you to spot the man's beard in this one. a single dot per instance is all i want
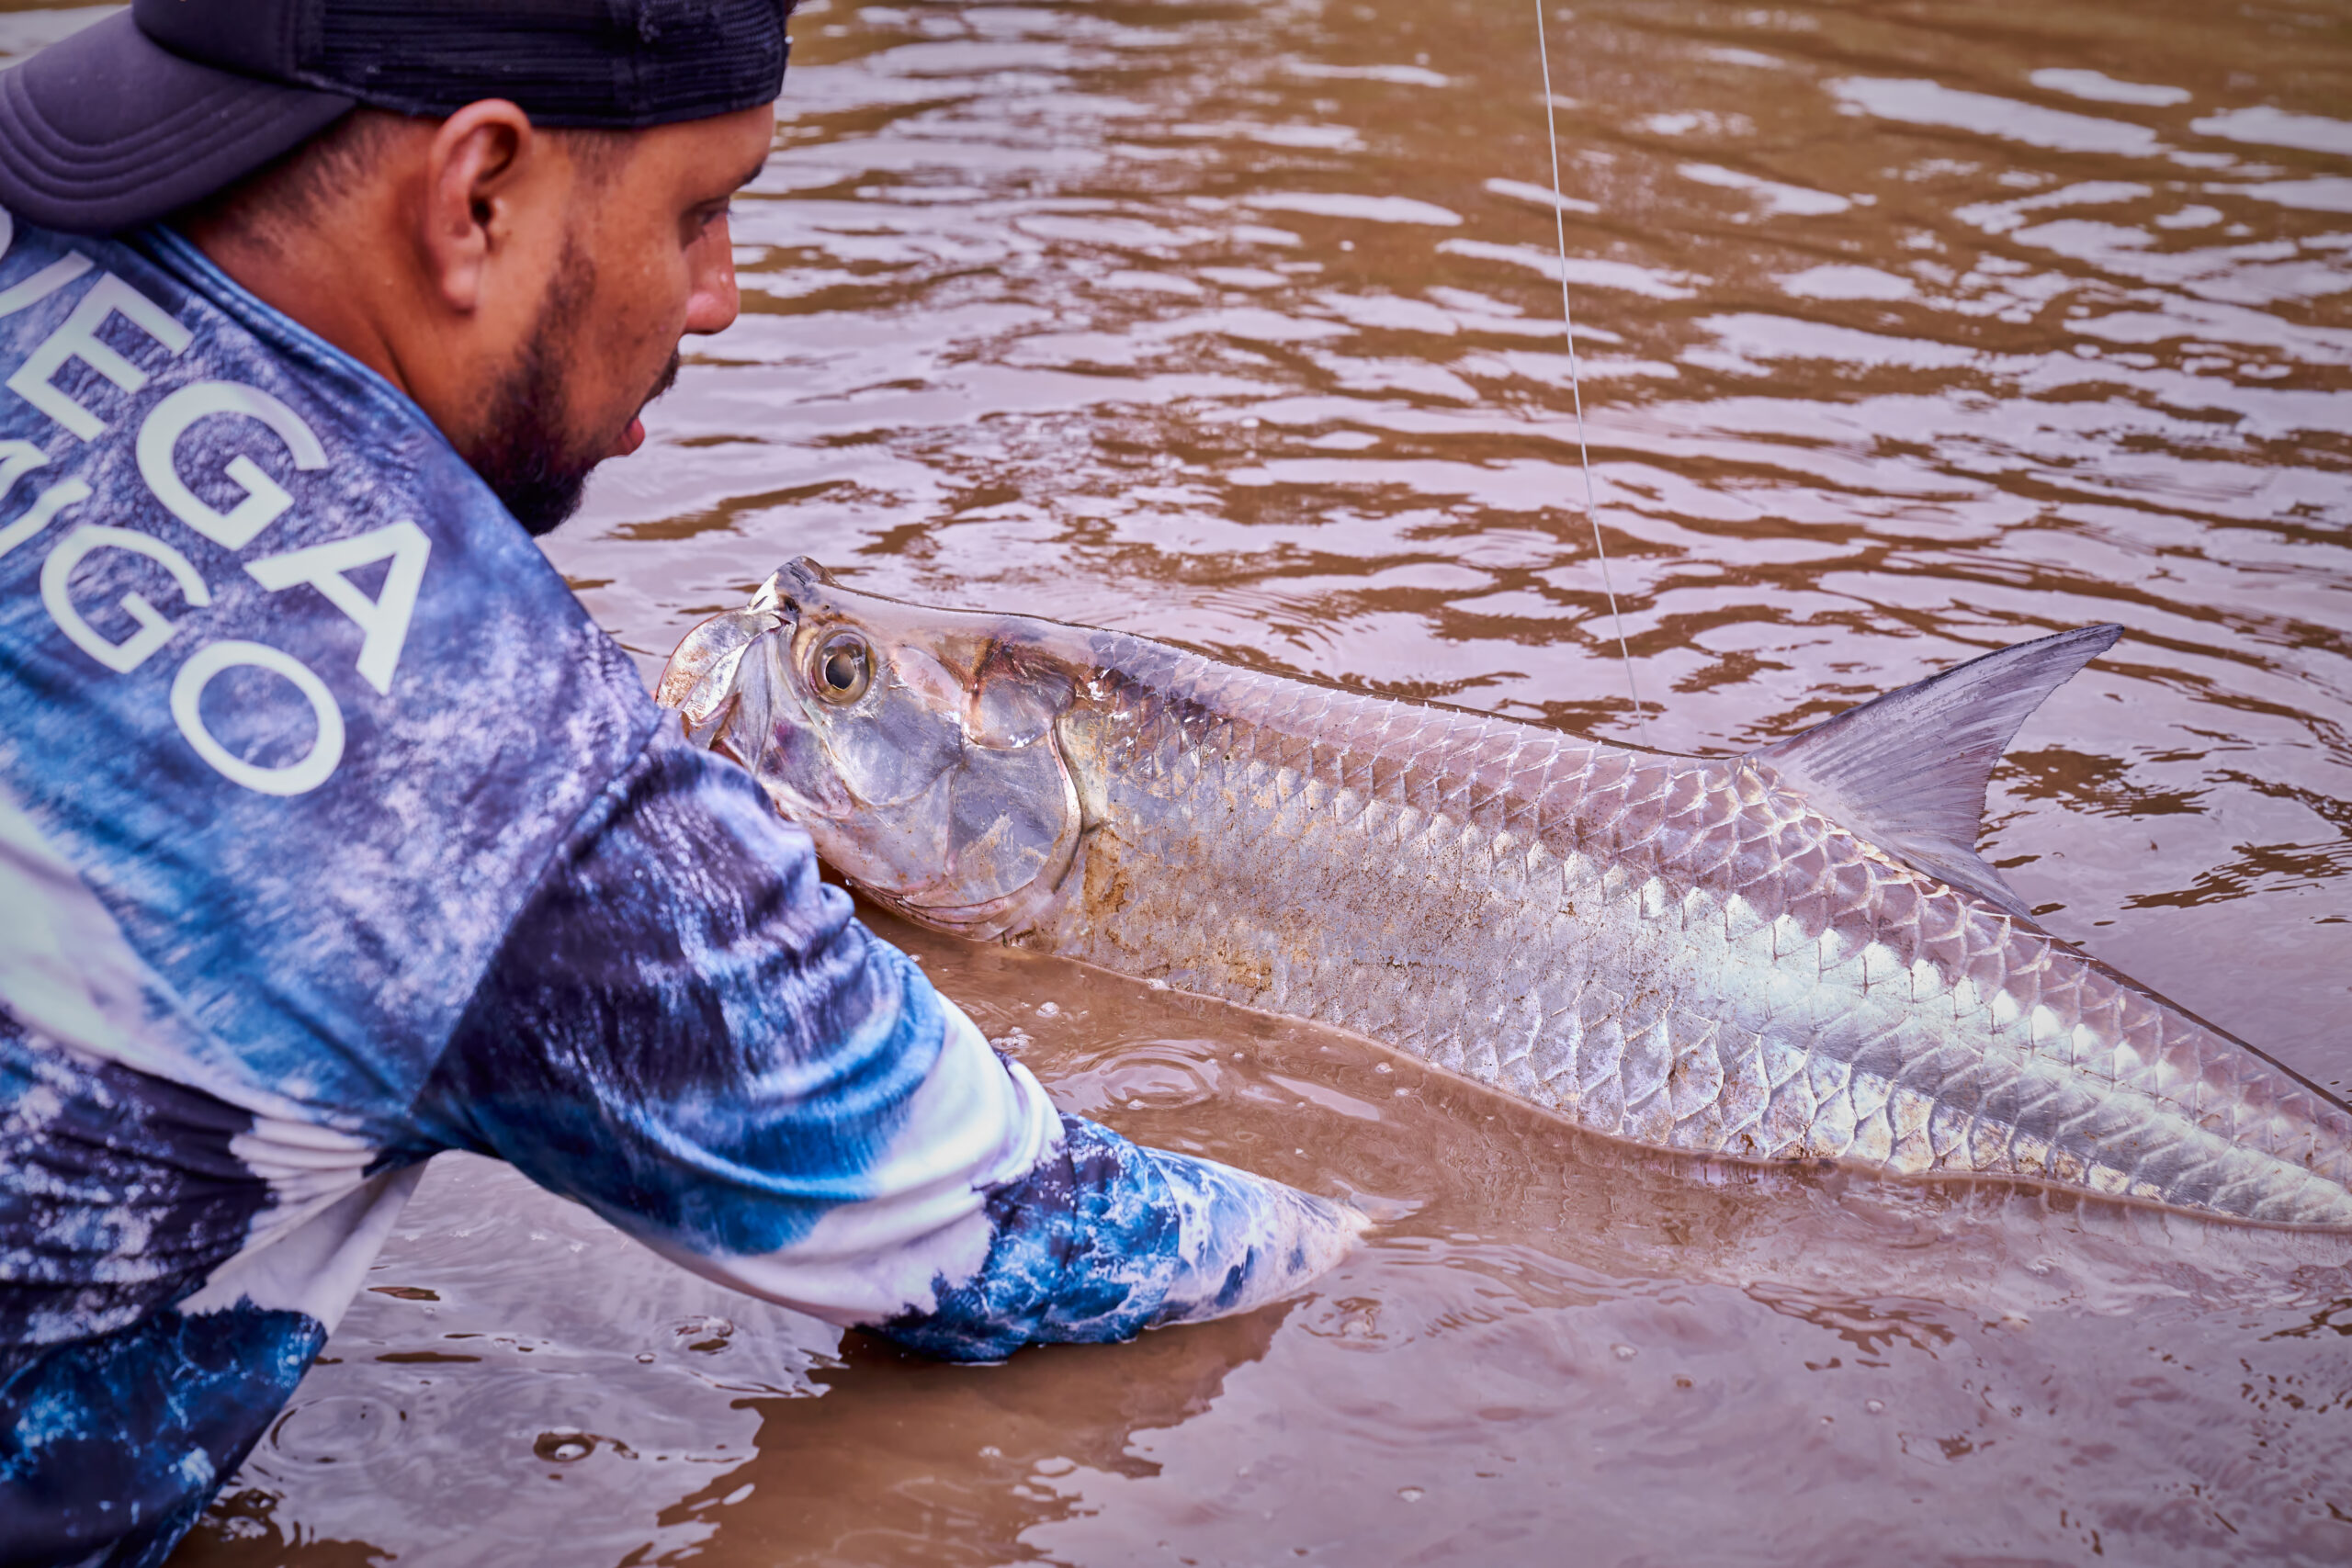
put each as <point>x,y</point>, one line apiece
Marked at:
<point>525,453</point>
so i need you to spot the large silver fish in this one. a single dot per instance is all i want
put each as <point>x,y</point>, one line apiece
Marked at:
<point>1795,954</point>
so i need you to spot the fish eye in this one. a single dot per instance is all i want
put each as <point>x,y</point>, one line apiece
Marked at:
<point>844,668</point>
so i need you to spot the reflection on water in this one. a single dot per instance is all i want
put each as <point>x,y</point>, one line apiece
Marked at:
<point>1907,331</point>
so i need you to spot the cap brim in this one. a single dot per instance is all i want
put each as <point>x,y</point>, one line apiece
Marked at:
<point>107,130</point>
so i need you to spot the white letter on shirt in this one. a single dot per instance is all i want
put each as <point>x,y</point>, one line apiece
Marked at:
<point>159,442</point>
<point>188,712</point>
<point>24,296</point>
<point>42,285</point>
<point>384,619</point>
<point>18,458</point>
<point>78,339</point>
<point>154,631</point>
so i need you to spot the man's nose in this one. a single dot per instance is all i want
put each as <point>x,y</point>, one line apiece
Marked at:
<point>713,304</point>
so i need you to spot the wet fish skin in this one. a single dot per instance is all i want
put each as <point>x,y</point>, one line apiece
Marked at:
<point>1685,952</point>
<point>1672,950</point>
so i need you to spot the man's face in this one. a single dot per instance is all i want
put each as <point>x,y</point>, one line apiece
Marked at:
<point>645,258</point>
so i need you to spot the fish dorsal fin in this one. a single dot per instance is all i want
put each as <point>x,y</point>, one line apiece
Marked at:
<point>1907,770</point>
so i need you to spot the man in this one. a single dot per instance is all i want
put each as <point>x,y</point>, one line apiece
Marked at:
<point>334,834</point>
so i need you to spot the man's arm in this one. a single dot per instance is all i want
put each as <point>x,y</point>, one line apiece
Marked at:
<point>688,1031</point>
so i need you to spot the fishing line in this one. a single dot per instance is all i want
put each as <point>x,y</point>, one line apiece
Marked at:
<point>1576,387</point>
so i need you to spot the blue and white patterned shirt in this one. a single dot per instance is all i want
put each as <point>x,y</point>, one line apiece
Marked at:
<point>334,834</point>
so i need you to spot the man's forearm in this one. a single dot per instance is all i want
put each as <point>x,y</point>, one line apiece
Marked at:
<point>687,1032</point>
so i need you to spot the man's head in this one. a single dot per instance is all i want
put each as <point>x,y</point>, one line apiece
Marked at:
<point>527,287</point>
<point>523,266</point>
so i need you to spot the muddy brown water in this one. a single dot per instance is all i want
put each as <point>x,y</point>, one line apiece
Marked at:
<point>1909,330</point>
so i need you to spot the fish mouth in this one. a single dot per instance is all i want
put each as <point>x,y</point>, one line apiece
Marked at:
<point>699,680</point>
<point>983,922</point>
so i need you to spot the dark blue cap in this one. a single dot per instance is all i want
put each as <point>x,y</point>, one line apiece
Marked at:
<point>151,110</point>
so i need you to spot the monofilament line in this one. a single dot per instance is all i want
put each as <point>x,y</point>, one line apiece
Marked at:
<point>1576,388</point>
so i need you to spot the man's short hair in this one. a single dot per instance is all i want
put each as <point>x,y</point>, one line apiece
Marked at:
<point>298,189</point>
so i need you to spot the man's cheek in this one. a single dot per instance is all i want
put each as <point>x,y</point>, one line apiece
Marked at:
<point>629,353</point>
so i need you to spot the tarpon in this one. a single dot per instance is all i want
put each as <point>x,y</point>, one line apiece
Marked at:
<point>1795,954</point>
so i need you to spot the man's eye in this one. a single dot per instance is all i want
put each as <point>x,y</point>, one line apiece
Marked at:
<point>702,222</point>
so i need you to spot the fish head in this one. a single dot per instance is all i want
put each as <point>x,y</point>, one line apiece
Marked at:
<point>917,747</point>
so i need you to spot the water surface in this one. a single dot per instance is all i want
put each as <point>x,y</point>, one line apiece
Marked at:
<point>1908,331</point>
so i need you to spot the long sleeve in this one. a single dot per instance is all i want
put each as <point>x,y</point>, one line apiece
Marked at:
<point>688,1031</point>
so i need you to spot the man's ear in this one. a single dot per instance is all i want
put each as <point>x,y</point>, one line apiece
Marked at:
<point>478,157</point>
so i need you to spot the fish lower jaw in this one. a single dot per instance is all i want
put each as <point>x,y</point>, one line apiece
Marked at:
<point>990,921</point>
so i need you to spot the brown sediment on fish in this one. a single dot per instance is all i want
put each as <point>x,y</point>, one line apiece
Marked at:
<point>1791,956</point>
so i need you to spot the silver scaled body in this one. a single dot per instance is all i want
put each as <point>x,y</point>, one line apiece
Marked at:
<point>1673,950</point>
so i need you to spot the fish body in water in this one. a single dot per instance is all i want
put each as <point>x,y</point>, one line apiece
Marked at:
<point>1792,954</point>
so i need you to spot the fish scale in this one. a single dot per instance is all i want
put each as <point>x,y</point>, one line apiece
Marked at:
<point>1582,861</point>
<point>1791,956</point>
